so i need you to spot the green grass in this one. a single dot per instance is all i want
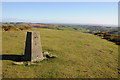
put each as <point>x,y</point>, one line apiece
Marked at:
<point>72,29</point>
<point>80,55</point>
<point>66,28</point>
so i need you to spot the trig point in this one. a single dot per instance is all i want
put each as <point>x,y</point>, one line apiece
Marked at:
<point>33,49</point>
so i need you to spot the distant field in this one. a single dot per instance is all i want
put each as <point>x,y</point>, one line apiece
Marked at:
<point>80,55</point>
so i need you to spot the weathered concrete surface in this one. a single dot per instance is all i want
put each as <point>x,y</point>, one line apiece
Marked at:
<point>33,49</point>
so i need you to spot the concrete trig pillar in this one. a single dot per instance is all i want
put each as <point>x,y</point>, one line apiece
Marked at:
<point>33,49</point>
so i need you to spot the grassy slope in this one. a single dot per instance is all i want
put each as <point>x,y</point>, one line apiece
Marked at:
<point>80,55</point>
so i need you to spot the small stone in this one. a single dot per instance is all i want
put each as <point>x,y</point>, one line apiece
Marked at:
<point>45,53</point>
<point>39,60</point>
<point>29,63</point>
<point>18,63</point>
<point>48,55</point>
<point>51,56</point>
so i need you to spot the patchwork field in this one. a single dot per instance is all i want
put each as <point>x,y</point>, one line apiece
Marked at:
<point>80,55</point>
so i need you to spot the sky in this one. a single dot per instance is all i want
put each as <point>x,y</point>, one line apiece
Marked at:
<point>61,12</point>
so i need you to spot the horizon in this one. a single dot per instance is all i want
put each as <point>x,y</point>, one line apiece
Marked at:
<point>101,13</point>
<point>103,25</point>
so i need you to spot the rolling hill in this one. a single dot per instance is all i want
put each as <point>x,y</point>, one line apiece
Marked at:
<point>80,55</point>
<point>72,27</point>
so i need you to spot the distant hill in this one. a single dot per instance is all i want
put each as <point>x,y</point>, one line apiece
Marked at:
<point>73,27</point>
<point>97,28</point>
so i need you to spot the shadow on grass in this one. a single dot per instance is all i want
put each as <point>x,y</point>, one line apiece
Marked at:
<point>12,57</point>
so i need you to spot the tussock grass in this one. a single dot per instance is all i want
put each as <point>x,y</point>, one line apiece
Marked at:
<point>80,55</point>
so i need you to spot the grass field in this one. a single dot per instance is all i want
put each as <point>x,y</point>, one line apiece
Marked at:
<point>80,55</point>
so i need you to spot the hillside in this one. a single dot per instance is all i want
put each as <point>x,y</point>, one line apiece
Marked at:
<point>80,55</point>
<point>96,28</point>
<point>81,28</point>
